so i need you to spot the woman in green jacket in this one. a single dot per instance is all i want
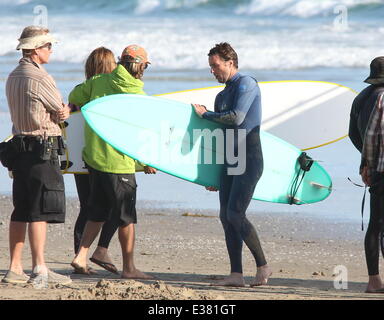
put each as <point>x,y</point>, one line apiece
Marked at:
<point>112,174</point>
<point>100,60</point>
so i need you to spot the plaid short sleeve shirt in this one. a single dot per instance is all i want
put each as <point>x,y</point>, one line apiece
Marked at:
<point>373,148</point>
<point>33,100</point>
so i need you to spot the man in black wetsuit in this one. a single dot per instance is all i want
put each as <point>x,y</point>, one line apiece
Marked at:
<point>238,108</point>
<point>365,130</point>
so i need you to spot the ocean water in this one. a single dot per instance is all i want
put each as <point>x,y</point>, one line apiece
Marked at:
<point>276,40</point>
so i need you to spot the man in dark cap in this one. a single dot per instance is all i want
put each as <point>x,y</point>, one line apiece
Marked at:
<point>366,131</point>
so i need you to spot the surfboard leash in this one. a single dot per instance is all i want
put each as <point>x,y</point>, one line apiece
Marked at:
<point>381,235</point>
<point>362,201</point>
<point>305,162</point>
<point>65,164</point>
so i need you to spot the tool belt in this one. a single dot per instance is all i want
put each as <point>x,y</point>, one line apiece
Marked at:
<point>45,148</point>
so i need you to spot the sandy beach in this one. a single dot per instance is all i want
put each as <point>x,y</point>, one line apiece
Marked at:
<point>186,252</point>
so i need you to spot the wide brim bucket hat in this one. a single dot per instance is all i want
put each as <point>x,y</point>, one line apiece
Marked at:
<point>377,71</point>
<point>35,41</point>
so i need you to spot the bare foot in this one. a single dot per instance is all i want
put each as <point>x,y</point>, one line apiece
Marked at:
<point>374,285</point>
<point>262,275</point>
<point>136,274</point>
<point>235,279</point>
<point>87,270</point>
<point>79,267</point>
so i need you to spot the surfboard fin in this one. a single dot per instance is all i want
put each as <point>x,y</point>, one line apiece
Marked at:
<point>320,186</point>
<point>293,200</point>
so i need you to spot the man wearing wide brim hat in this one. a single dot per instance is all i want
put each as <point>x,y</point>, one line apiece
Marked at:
<point>34,42</point>
<point>364,103</point>
<point>366,132</point>
<point>377,71</point>
<point>36,109</point>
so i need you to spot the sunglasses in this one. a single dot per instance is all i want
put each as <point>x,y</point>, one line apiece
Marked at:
<point>133,60</point>
<point>47,45</point>
<point>147,64</point>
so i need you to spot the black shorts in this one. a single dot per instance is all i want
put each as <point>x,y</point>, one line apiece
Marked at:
<point>113,197</point>
<point>38,189</point>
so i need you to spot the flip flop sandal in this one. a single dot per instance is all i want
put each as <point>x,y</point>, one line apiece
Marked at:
<point>106,265</point>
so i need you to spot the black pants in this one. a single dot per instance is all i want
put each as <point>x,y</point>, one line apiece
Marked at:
<point>376,224</point>
<point>109,227</point>
<point>235,195</point>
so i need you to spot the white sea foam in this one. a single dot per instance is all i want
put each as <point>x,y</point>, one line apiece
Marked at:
<point>299,8</point>
<point>173,47</point>
<point>181,39</point>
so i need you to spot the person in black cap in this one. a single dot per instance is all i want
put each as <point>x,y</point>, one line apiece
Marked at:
<point>366,131</point>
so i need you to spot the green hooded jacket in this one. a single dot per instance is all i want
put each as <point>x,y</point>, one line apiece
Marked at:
<point>97,153</point>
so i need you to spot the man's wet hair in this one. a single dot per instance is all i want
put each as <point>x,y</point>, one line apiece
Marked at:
<point>225,52</point>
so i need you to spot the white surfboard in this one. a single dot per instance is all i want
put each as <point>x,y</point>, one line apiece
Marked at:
<point>73,133</point>
<point>307,114</point>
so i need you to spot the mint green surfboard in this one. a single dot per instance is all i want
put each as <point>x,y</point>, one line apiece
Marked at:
<point>169,136</point>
